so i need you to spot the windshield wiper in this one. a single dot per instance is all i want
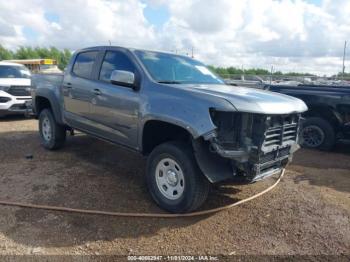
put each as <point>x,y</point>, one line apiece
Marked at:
<point>169,82</point>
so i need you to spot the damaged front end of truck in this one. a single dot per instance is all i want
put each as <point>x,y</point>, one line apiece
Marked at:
<point>247,146</point>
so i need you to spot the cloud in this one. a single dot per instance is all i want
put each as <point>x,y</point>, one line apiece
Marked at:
<point>292,35</point>
<point>6,30</point>
<point>81,23</point>
<point>263,33</point>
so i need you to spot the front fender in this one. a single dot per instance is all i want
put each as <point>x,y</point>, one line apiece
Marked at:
<point>188,110</point>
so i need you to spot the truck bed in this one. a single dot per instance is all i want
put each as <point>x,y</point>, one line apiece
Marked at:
<point>49,81</point>
<point>53,80</point>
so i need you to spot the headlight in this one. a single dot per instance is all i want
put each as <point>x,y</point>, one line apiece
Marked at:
<point>4,99</point>
<point>229,127</point>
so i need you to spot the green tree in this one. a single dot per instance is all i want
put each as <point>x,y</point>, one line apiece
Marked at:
<point>278,73</point>
<point>42,52</point>
<point>234,71</point>
<point>5,54</point>
<point>25,53</point>
<point>65,58</point>
<point>62,56</point>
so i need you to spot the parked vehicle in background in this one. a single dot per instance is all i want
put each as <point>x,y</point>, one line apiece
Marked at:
<point>194,129</point>
<point>287,82</point>
<point>246,81</point>
<point>39,66</point>
<point>328,117</point>
<point>15,84</point>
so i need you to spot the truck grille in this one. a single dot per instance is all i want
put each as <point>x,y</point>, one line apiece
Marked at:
<point>282,130</point>
<point>271,156</point>
<point>278,135</point>
<point>273,136</point>
<point>19,91</point>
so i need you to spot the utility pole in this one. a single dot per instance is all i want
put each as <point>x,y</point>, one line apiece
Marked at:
<point>344,55</point>
<point>110,43</point>
<point>192,52</point>
<point>271,73</point>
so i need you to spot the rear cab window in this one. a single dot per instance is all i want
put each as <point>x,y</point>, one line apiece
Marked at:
<point>84,64</point>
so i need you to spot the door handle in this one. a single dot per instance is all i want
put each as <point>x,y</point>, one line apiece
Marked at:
<point>97,92</point>
<point>68,85</point>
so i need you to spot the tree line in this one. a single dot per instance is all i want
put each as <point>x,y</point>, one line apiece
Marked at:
<point>227,71</point>
<point>62,56</point>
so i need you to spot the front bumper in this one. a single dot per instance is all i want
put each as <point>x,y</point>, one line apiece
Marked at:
<point>272,162</point>
<point>256,146</point>
<point>10,104</point>
<point>255,166</point>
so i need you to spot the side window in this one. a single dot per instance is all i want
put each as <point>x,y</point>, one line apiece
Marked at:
<point>115,60</point>
<point>84,63</point>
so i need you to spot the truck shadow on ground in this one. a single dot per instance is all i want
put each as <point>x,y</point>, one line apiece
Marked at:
<point>88,174</point>
<point>13,118</point>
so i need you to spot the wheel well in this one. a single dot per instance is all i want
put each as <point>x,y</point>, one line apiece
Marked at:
<point>157,132</point>
<point>324,112</point>
<point>41,103</point>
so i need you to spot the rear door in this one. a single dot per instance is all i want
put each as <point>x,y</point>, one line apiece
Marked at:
<point>115,108</point>
<point>78,86</point>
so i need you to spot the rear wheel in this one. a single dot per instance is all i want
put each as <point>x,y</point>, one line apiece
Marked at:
<point>317,133</point>
<point>174,179</point>
<point>52,134</point>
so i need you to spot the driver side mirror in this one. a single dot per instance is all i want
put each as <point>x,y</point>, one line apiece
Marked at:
<point>123,78</point>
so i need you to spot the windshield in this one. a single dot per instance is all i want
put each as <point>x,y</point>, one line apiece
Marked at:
<point>10,71</point>
<point>174,69</point>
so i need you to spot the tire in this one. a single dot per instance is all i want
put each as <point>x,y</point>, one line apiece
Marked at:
<point>52,134</point>
<point>317,133</point>
<point>181,176</point>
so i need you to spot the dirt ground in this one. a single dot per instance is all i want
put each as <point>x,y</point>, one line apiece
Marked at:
<point>308,212</point>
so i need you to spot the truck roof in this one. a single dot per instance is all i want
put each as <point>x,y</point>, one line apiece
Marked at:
<point>127,48</point>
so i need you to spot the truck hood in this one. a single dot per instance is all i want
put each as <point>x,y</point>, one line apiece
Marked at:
<point>252,100</point>
<point>15,81</point>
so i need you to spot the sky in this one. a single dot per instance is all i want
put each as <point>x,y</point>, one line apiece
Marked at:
<point>290,35</point>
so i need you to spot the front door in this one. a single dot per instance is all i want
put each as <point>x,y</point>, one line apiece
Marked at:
<point>114,108</point>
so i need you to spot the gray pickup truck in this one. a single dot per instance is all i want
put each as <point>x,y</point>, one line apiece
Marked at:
<point>194,129</point>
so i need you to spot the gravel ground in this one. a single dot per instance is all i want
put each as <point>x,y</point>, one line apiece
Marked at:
<point>308,212</point>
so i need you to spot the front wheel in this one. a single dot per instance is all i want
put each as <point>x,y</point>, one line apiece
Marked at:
<point>174,179</point>
<point>52,134</point>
